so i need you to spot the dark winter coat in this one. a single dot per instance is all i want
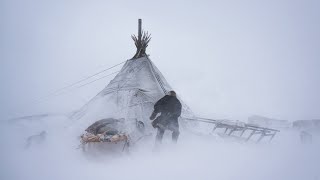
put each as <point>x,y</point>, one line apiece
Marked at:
<point>170,109</point>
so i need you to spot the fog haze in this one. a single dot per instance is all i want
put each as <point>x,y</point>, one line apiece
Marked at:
<point>226,59</point>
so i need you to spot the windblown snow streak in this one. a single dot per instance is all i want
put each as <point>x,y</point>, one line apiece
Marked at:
<point>194,157</point>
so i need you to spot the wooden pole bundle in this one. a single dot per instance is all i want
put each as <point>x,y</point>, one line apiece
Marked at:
<point>141,41</point>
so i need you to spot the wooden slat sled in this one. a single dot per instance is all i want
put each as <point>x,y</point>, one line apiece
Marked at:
<point>241,128</point>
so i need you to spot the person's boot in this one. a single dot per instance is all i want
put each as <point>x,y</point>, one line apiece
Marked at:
<point>175,136</point>
<point>158,141</point>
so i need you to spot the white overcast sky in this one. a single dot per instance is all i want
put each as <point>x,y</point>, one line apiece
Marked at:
<point>224,58</point>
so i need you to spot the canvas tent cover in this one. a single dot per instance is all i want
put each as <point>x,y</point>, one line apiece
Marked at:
<point>130,96</point>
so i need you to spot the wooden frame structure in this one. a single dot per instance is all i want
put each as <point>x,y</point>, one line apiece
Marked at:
<point>141,41</point>
<point>229,129</point>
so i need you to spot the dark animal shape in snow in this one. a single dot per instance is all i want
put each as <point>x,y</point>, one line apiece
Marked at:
<point>36,139</point>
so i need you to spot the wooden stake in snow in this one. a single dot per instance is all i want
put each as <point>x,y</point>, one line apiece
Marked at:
<point>141,42</point>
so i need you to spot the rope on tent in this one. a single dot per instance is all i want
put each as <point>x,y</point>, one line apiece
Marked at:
<point>157,77</point>
<point>84,79</point>
<point>98,79</point>
<point>60,93</point>
<point>56,92</point>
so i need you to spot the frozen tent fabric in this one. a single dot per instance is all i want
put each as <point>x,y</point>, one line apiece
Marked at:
<point>130,96</point>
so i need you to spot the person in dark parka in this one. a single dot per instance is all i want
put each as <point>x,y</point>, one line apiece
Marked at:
<point>170,108</point>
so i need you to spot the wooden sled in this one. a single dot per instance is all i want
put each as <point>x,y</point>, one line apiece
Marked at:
<point>102,143</point>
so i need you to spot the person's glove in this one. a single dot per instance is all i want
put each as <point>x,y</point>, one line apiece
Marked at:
<point>155,123</point>
<point>153,115</point>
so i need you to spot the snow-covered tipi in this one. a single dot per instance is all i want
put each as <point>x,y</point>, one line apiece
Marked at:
<point>132,94</point>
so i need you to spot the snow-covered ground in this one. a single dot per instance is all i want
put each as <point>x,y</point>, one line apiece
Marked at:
<point>194,157</point>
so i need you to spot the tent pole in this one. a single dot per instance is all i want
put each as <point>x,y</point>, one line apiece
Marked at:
<point>139,30</point>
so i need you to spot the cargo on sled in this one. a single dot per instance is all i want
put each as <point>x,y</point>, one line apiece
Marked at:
<point>105,135</point>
